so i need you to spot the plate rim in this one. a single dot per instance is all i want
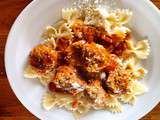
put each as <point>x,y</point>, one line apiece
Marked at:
<point>6,52</point>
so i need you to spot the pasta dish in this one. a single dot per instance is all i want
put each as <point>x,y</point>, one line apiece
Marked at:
<point>89,60</point>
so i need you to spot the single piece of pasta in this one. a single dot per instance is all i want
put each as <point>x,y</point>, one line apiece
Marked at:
<point>48,101</point>
<point>51,42</point>
<point>139,73</point>
<point>64,30</point>
<point>29,72</point>
<point>70,13</point>
<point>50,32</point>
<point>120,16</point>
<point>121,31</point>
<point>115,109</point>
<point>111,101</point>
<point>140,51</point>
<point>138,88</point>
<point>128,98</point>
<point>116,20</point>
<point>46,78</point>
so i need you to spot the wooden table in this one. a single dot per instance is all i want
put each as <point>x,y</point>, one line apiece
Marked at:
<point>10,106</point>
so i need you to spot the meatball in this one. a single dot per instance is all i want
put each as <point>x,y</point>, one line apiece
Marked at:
<point>42,58</point>
<point>117,81</point>
<point>67,80</point>
<point>94,57</point>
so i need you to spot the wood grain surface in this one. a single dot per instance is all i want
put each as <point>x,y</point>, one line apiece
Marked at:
<point>10,106</point>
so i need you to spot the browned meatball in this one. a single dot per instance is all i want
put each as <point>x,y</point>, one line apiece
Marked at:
<point>42,58</point>
<point>117,81</point>
<point>92,57</point>
<point>67,80</point>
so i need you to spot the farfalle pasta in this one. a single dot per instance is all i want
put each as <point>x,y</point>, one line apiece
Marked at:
<point>88,60</point>
<point>141,50</point>
<point>70,14</point>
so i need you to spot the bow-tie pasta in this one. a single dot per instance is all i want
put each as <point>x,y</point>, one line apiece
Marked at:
<point>88,61</point>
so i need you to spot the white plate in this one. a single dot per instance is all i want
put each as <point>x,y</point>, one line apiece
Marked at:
<point>26,33</point>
